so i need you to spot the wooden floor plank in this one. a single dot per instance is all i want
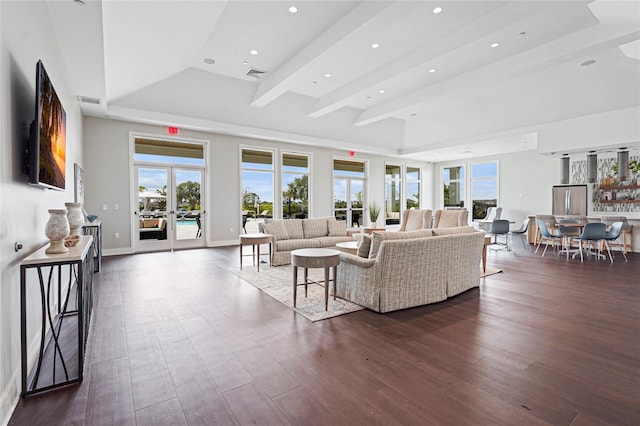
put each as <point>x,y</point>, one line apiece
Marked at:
<point>176,338</point>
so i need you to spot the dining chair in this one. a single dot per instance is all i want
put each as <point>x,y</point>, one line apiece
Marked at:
<point>500,227</point>
<point>612,236</point>
<point>568,232</point>
<point>594,233</point>
<point>522,232</point>
<point>546,234</point>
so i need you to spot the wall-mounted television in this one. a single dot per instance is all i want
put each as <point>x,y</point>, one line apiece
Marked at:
<point>48,140</point>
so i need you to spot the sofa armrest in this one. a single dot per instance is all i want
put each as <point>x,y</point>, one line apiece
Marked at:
<point>357,260</point>
<point>350,232</point>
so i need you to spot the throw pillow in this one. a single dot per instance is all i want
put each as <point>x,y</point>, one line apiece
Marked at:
<point>276,229</point>
<point>456,230</point>
<point>337,228</point>
<point>365,246</point>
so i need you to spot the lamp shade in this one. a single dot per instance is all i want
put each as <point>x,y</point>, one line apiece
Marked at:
<point>623,165</point>
<point>592,168</point>
<point>565,170</point>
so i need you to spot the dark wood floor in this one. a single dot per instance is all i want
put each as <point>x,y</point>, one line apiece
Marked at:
<point>177,339</point>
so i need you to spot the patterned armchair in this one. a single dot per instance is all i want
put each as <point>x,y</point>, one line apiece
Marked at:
<point>451,218</point>
<point>414,219</point>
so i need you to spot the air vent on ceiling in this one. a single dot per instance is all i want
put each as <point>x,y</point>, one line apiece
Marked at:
<point>255,73</point>
<point>88,100</point>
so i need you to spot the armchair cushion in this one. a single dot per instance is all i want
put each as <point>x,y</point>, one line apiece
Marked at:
<point>458,230</point>
<point>378,237</point>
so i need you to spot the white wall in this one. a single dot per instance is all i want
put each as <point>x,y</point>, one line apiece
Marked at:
<point>27,35</point>
<point>107,179</point>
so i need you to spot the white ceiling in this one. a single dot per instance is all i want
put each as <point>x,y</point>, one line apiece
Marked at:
<point>145,61</point>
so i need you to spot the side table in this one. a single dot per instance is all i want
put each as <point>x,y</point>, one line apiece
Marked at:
<point>95,229</point>
<point>254,240</point>
<point>64,286</point>
<point>315,258</point>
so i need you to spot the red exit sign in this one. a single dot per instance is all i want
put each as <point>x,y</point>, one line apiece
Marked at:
<point>172,130</point>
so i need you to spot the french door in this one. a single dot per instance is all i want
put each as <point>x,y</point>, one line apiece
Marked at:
<point>348,200</point>
<point>169,213</point>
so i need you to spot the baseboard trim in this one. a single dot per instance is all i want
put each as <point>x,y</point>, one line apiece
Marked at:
<point>223,243</point>
<point>9,398</point>
<point>118,251</point>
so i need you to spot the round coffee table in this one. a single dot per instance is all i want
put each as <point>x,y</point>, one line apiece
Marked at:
<point>254,240</point>
<point>315,258</point>
<point>350,247</point>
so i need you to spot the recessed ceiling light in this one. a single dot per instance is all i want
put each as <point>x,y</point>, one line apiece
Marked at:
<point>380,91</point>
<point>523,33</point>
<point>79,2</point>
<point>413,114</point>
<point>209,61</point>
<point>588,63</point>
<point>432,70</point>
<point>368,97</point>
<point>495,44</point>
<point>327,75</point>
<point>293,9</point>
<point>254,52</point>
<point>245,63</point>
<point>375,45</point>
<point>314,82</point>
<point>437,10</point>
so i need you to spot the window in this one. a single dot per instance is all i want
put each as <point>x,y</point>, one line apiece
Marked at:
<point>484,188</point>
<point>392,193</point>
<point>413,188</point>
<point>295,186</point>
<point>168,152</point>
<point>257,187</point>
<point>453,186</point>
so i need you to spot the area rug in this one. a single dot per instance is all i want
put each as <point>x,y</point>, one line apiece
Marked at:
<point>277,282</point>
<point>489,271</point>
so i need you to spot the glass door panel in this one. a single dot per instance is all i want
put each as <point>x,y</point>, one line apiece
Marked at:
<point>340,198</point>
<point>169,211</point>
<point>189,213</point>
<point>152,227</point>
<point>348,204</point>
<point>356,192</point>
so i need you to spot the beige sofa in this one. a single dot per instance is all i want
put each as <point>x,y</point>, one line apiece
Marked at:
<point>294,234</point>
<point>412,268</point>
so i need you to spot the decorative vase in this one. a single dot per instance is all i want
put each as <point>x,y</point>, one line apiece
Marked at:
<point>75,218</point>
<point>56,230</point>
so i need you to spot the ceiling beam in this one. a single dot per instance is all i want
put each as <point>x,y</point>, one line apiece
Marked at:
<point>468,32</point>
<point>366,14</point>
<point>593,39</point>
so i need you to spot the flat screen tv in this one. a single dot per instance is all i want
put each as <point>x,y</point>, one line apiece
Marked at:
<point>48,140</point>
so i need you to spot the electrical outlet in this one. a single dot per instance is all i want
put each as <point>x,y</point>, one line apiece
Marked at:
<point>105,207</point>
<point>116,206</point>
<point>230,229</point>
<point>116,235</point>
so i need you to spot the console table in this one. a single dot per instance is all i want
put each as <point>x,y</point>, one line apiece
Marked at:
<point>59,287</point>
<point>95,229</point>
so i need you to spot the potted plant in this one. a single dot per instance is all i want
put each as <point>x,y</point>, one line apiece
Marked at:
<point>374,212</point>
